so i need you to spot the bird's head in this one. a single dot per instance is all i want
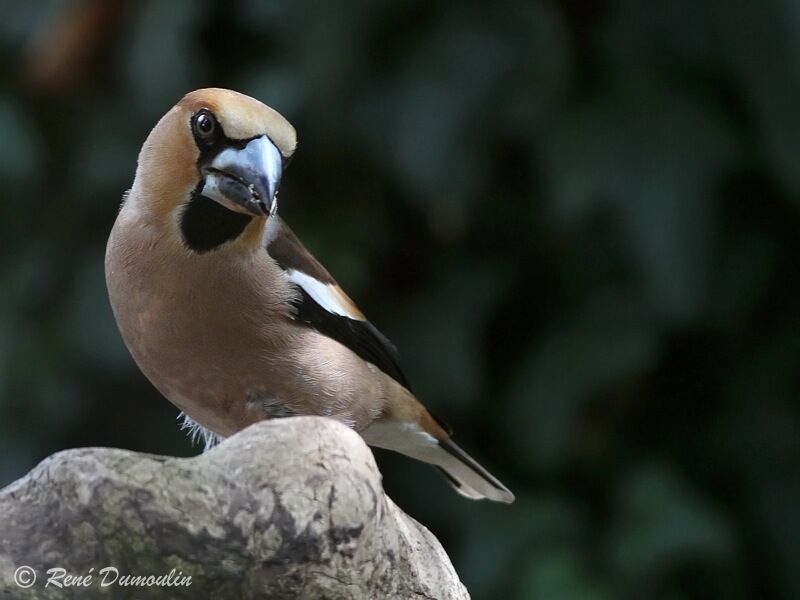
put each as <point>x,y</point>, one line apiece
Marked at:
<point>213,165</point>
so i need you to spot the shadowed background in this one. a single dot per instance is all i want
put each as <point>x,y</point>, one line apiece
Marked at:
<point>577,220</point>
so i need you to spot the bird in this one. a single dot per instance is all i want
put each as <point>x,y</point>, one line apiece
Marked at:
<point>227,313</point>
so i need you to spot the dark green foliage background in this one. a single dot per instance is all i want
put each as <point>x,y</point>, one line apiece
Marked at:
<point>578,221</point>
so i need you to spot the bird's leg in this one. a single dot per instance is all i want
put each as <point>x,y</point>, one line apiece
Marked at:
<point>271,407</point>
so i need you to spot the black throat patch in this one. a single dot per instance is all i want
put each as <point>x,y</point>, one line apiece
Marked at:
<point>205,224</point>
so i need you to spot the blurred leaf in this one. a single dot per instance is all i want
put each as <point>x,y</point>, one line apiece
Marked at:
<point>763,390</point>
<point>263,17</point>
<point>280,87</point>
<point>161,62</point>
<point>538,80</point>
<point>762,44</point>
<point>23,20</point>
<point>761,433</point>
<point>648,152</point>
<point>776,496</point>
<point>89,329</point>
<point>659,32</point>
<point>16,449</point>
<point>499,542</point>
<point>557,379</point>
<point>558,573</point>
<point>107,161</point>
<point>742,276</point>
<point>6,338</point>
<point>662,523</point>
<point>20,153</point>
<point>425,126</point>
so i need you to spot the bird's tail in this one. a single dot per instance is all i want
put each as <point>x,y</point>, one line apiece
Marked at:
<point>467,476</point>
<point>463,472</point>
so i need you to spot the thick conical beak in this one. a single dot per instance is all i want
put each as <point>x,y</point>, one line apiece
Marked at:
<point>245,179</point>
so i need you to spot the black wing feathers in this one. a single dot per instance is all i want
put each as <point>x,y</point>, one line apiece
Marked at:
<point>362,337</point>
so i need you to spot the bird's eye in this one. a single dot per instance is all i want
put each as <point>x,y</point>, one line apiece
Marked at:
<point>204,124</point>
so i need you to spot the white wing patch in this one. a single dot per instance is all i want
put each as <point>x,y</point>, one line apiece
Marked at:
<point>403,437</point>
<point>327,296</point>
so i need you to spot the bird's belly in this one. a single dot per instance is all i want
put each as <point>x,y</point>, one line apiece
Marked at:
<point>227,373</point>
<point>199,366</point>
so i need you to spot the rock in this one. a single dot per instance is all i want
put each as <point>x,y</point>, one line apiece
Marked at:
<point>291,508</point>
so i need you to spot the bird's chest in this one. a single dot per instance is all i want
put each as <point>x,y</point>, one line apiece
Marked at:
<point>181,336</point>
<point>204,337</point>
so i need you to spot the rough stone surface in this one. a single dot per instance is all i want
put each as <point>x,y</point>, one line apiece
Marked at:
<point>292,508</point>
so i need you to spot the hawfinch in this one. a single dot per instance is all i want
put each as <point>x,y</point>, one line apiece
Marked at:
<point>227,313</point>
